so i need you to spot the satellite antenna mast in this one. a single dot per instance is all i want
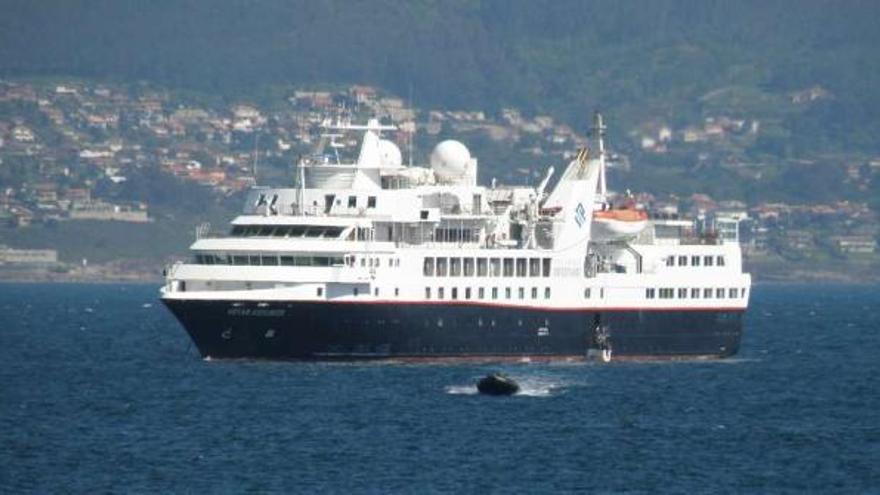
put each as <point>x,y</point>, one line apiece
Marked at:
<point>256,154</point>
<point>412,134</point>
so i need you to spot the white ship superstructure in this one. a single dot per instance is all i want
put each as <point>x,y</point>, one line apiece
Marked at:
<point>377,259</point>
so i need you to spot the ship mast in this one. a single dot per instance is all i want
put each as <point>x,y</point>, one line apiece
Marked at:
<point>598,130</point>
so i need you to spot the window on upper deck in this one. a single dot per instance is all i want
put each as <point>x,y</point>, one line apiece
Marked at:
<point>670,261</point>
<point>534,267</point>
<point>455,267</point>
<point>352,201</point>
<point>682,261</point>
<point>495,267</point>
<point>371,201</point>
<point>468,267</point>
<point>237,231</point>
<point>719,261</point>
<point>707,260</point>
<point>545,267</point>
<point>695,261</point>
<point>508,267</point>
<point>521,267</point>
<point>482,267</point>
<point>442,267</point>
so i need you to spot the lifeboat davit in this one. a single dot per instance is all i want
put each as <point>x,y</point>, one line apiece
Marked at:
<point>618,223</point>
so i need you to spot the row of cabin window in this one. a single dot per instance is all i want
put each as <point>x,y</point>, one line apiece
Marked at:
<point>486,267</point>
<point>264,260</point>
<point>481,293</point>
<point>374,262</point>
<point>695,260</point>
<point>707,293</point>
<point>311,231</point>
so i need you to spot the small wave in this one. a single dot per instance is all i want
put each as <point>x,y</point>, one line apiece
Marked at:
<point>461,389</point>
<point>146,305</point>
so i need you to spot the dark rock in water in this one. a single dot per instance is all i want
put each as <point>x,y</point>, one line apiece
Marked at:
<point>497,384</point>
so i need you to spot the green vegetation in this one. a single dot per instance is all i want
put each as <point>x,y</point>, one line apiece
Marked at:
<point>666,59</point>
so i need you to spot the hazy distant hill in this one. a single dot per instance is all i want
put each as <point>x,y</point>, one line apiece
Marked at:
<point>672,59</point>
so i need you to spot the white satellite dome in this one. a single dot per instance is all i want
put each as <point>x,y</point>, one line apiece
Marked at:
<point>389,154</point>
<point>450,160</point>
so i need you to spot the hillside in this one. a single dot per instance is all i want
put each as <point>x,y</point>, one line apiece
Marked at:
<point>672,60</point>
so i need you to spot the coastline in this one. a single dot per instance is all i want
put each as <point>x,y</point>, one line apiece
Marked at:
<point>761,275</point>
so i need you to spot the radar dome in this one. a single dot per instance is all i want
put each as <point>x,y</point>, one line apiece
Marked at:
<point>389,154</point>
<point>450,160</point>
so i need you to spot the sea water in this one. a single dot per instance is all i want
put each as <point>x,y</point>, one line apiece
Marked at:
<point>101,391</point>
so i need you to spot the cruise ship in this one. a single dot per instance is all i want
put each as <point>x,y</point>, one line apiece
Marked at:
<point>374,259</point>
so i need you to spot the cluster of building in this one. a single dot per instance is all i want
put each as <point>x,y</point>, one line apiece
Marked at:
<point>844,227</point>
<point>63,145</point>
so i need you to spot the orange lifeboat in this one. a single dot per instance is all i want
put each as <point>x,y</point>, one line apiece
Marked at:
<point>618,222</point>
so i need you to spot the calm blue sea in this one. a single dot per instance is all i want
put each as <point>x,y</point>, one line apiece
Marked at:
<point>100,391</point>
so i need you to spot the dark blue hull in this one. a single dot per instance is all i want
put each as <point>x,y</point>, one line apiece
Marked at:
<point>327,330</point>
